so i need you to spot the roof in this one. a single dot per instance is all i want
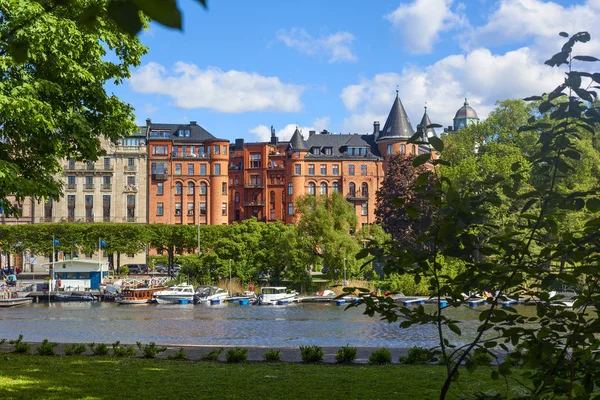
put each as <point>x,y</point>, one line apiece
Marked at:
<point>466,111</point>
<point>197,133</point>
<point>397,124</point>
<point>425,122</point>
<point>297,141</point>
<point>340,143</point>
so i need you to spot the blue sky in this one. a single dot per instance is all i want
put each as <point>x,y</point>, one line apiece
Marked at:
<point>241,66</point>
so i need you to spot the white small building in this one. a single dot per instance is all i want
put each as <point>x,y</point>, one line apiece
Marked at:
<point>78,275</point>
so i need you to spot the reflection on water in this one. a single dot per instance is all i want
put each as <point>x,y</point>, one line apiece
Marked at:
<point>227,324</point>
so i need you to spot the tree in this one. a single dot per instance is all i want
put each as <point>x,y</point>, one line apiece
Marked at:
<point>54,105</point>
<point>171,238</point>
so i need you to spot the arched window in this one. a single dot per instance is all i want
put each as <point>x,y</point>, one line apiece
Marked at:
<point>190,187</point>
<point>335,187</point>
<point>312,188</point>
<point>402,149</point>
<point>272,196</point>
<point>364,189</point>
<point>178,188</point>
<point>414,150</point>
<point>237,197</point>
<point>324,188</point>
<point>203,187</point>
<point>352,189</point>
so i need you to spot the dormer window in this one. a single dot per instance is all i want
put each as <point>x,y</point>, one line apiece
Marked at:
<point>183,133</point>
<point>316,151</point>
<point>328,151</point>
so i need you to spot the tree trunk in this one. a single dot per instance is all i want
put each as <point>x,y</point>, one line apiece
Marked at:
<point>118,263</point>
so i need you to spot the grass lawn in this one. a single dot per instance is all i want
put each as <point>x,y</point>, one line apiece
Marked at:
<point>86,377</point>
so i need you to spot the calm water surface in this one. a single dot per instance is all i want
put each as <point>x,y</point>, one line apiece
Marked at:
<point>226,324</point>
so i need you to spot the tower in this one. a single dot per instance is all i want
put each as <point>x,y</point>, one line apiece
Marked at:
<point>465,116</point>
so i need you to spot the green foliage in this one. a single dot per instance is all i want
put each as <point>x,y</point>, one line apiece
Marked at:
<point>311,354</point>
<point>236,355</point>
<point>345,354</point>
<point>124,270</point>
<point>74,349</point>
<point>20,345</point>
<point>98,349</point>
<point>123,351</point>
<point>150,350</point>
<point>417,355</point>
<point>46,348</point>
<point>212,355</point>
<point>272,355</point>
<point>380,357</point>
<point>2,341</point>
<point>179,355</point>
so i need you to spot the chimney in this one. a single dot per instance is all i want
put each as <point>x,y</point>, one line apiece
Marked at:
<point>239,144</point>
<point>148,122</point>
<point>375,129</point>
<point>274,140</point>
<point>324,132</point>
<point>450,128</point>
<point>310,133</point>
<point>193,123</point>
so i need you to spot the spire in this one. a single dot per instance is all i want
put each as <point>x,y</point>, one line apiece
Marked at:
<point>425,122</point>
<point>297,141</point>
<point>397,124</point>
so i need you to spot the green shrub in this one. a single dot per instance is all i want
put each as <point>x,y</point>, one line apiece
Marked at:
<point>346,354</point>
<point>124,270</point>
<point>311,354</point>
<point>99,349</point>
<point>180,355</point>
<point>74,349</point>
<point>482,357</point>
<point>20,345</point>
<point>380,357</point>
<point>122,351</point>
<point>212,355</point>
<point>150,350</point>
<point>272,355</point>
<point>46,348</point>
<point>236,355</point>
<point>417,355</point>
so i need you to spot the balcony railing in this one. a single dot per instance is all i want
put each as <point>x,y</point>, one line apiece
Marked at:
<point>358,196</point>
<point>72,187</point>
<point>278,166</point>
<point>255,185</point>
<point>89,186</point>
<point>160,177</point>
<point>107,167</point>
<point>254,203</point>
<point>130,168</point>
<point>189,155</point>
<point>106,186</point>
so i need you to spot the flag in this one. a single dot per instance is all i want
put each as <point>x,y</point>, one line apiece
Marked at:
<point>55,242</point>
<point>102,243</point>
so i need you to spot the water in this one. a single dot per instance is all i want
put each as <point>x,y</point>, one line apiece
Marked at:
<point>323,324</point>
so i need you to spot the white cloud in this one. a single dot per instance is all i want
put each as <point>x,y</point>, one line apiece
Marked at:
<point>481,76</point>
<point>321,124</point>
<point>263,133</point>
<point>336,47</point>
<point>223,91</point>
<point>421,22</point>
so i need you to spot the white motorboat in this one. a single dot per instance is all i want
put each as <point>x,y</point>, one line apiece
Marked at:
<point>210,294</point>
<point>271,295</point>
<point>182,294</point>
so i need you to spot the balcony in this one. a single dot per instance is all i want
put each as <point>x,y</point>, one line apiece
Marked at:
<point>107,167</point>
<point>130,168</point>
<point>89,187</point>
<point>254,185</point>
<point>187,156</point>
<point>160,177</point>
<point>254,203</point>
<point>357,196</point>
<point>275,166</point>
<point>106,187</point>
<point>71,187</point>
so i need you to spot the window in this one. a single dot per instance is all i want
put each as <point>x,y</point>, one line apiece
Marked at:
<point>90,165</point>
<point>160,188</point>
<point>48,208</point>
<point>335,187</point>
<point>363,169</point>
<point>328,151</point>
<point>297,169</point>
<point>255,160</point>
<point>131,180</point>
<point>201,151</point>
<point>71,164</point>
<point>71,179</point>
<point>217,169</point>
<point>160,209</point>
<point>106,208</point>
<point>160,150</point>
<point>311,188</point>
<point>237,180</point>
<point>217,149</point>
<point>190,169</point>
<point>352,189</point>
<point>290,188</point>
<point>311,169</point>
<point>162,134</point>
<point>159,168</point>
<point>414,150</point>
<point>177,169</point>
<point>290,208</point>
<point>225,150</point>
<point>335,169</point>
<point>364,189</point>
<point>183,151</point>
<point>177,208</point>
<point>364,209</point>
<point>175,151</point>
<point>190,189</point>
<point>389,149</point>
<point>89,201</point>
<point>71,201</point>
<point>223,208</point>
<point>255,180</point>
<point>131,164</point>
<point>190,209</point>
<point>237,197</point>
<point>272,196</point>
<point>323,169</point>
<point>106,179</point>
<point>316,151</point>
<point>402,149</point>
<point>224,188</point>
<point>351,169</point>
<point>203,187</point>
<point>178,188</point>
<point>323,188</point>
<point>208,150</point>
<point>106,162</point>
<point>202,208</point>
<point>202,169</point>
<point>131,208</point>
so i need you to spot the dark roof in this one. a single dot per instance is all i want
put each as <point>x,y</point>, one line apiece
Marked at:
<point>297,141</point>
<point>340,144</point>
<point>466,111</point>
<point>425,121</point>
<point>397,124</point>
<point>197,133</point>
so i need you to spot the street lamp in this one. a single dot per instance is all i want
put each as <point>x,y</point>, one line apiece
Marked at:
<point>230,288</point>
<point>345,281</point>
<point>198,230</point>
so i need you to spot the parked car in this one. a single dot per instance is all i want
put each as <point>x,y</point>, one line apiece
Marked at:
<point>162,268</point>
<point>137,268</point>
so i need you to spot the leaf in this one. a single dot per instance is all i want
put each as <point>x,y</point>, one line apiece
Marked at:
<point>545,106</point>
<point>126,15</point>
<point>528,205</point>
<point>593,204</point>
<point>19,51</point>
<point>574,154</point>
<point>437,143</point>
<point>564,34</point>
<point>412,211</point>
<point>420,160</point>
<point>558,59</point>
<point>162,11</point>
<point>515,167</point>
<point>586,58</point>
<point>454,328</point>
<point>533,98</point>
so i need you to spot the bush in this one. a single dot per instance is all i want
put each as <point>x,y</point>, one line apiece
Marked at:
<point>311,354</point>
<point>346,354</point>
<point>47,348</point>
<point>20,345</point>
<point>124,270</point>
<point>99,349</point>
<point>180,355</point>
<point>417,355</point>
<point>272,355</point>
<point>212,355</point>
<point>2,341</point>
<point>122,351</point>
<point>380,357</point>
<point>150,350</point>
<point>236,355</point>
<point>74,349</point>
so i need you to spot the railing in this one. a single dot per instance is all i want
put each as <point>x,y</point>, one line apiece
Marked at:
<point>89,186</point>
<point>255,185</point>
<point>130,168</point>
<point>254,203</point>
<point>189,155</point>
<point>107,167</point>
<point>358,196</point>
<point>160,177</point>
<point>106,186</point>
<point>71,187</point>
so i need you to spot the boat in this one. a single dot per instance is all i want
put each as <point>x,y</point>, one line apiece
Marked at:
<point>74,297</point>
<point>182,294</point>
<point>209,294</point>
<point>271,295</point>
<point>7,299</point>
<point>138,295</point>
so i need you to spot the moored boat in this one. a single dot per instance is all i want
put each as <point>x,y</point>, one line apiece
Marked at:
<point>74,297</point>
<point>182,294</point>
<point>271,295</point>
<point>18,301</point>
<point>138,295</point>
<point>210,294</point>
